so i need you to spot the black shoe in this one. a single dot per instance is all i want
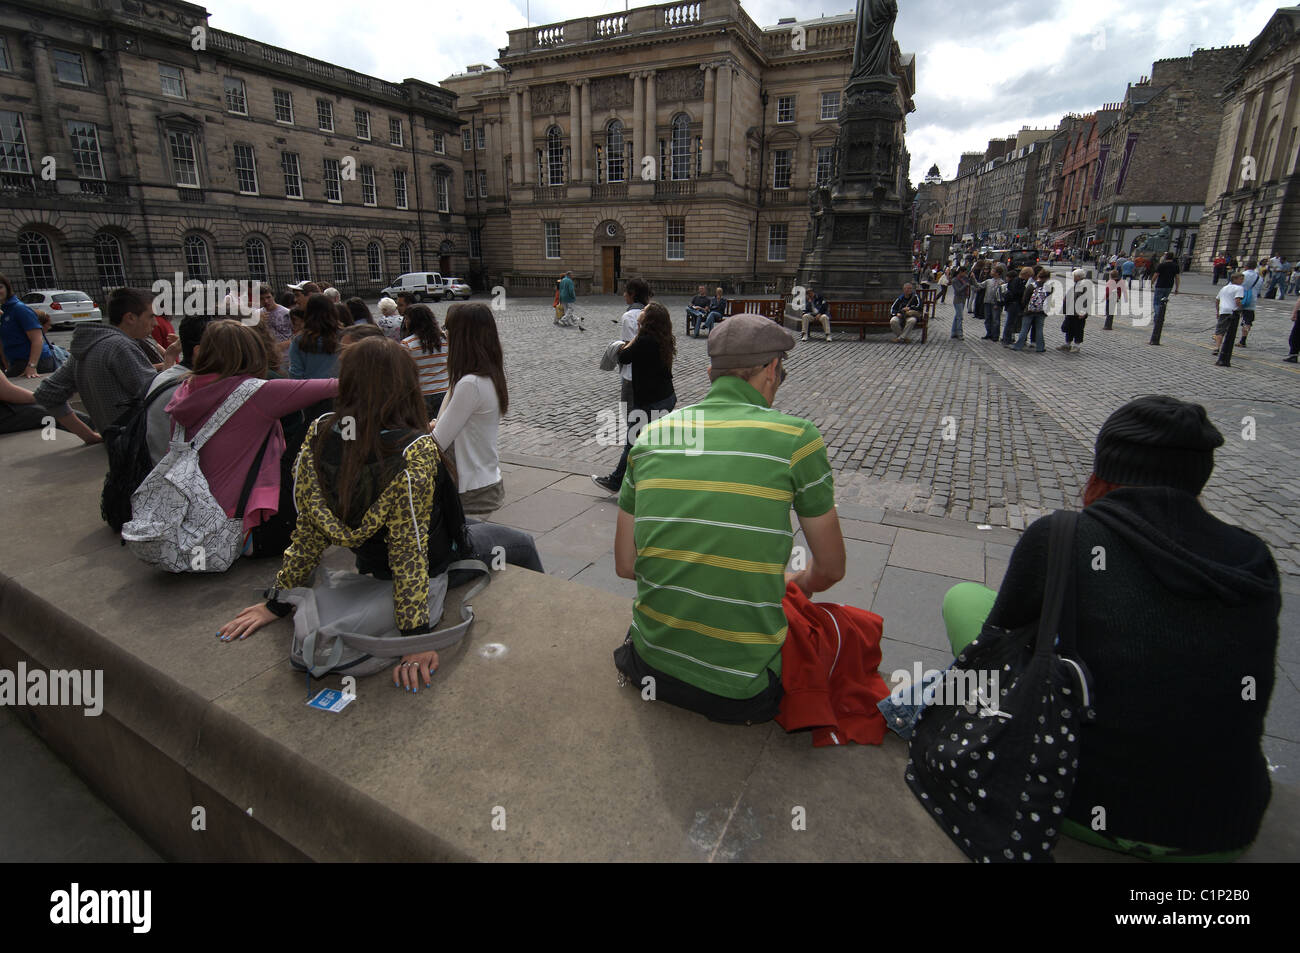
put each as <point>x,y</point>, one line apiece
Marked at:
<point>1293,359</point>
<point>1221,364</point>
<point>606,484</point>
<point>1241,343</point>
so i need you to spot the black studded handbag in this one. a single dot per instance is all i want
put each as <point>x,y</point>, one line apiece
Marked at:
<point>995,755</point>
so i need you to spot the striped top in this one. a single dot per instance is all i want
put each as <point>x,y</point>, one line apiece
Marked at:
<point>711,487</point>
<point>432,367</point>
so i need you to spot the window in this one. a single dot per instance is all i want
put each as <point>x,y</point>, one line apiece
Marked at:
<point>333,184</point>
<point>614,168</point>
<point>108,261</point>
<point>825,165</point>
<point>236,97</point>
<point>554,156</point>
<point>439,144</point>
<point>245,170</point>
<point>831,105</point>
<point>339,259</point>
<point>776,237</point>
<point>781,169</point>
<point>324,115</point>
<point>369,196</point>
<point>394,133</point>
<point>13,144</point>
<point>676,239</point>
<point>283,105</point>
<point>37,259</point>
<point>482,184</point>
<point>173,80</point>
<point>681,147</point>
<point>292,175</point>
<point>480,137</point>
<point>552,239</point>
<point>255,259</point>
<point>785,109</point>
<point>404,257</point>
<point>68,67</point>
<point>442,182</point>
<point>469,184</point>
<point>399,188</point>
<point>465,140</point>
<point>85,149</point>
<point>196,259</point>
<point>375,261</point>
<point>185,166</point>
<point>300,260</point>
<point>363,123</point>
<point>5,65</point>
<point>476,243</point>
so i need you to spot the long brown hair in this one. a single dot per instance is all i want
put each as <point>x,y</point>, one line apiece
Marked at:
<point>473,347</point>
<point>658,327</point>
<point>379,389</point>
<point>320,326</point>
<point>230,349</point>
<point>421,322</point>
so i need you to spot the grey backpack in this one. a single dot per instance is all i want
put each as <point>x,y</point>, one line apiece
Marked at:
<point>344,623</point>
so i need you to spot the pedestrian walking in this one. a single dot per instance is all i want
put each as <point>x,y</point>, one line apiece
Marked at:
<point>1227,312</point>
<point>961,289</point>
<point>1220,263</point>
<point>1251,280</point>
<point>1013,296</point>
<point>1035,297</point>
<point>1166,283</point>
<point>1293,343</point>
<point>1076,312</point>
<point>994,291</point>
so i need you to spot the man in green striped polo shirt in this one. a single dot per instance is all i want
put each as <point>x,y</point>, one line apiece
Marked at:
<point>704,528</point>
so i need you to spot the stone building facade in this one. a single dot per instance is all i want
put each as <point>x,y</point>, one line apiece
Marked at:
<point>137,142</point>
<point>692,167</point>
<point>1153,166</point>
<point>1252,203</point>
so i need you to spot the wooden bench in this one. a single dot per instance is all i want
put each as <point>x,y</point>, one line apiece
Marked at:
<point>772,308</point>
<point>874,315</point>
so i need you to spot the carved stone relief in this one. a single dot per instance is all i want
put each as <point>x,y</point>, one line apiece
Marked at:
<point>552,98</point>
<point>684,83</point>
<point>611,92</point>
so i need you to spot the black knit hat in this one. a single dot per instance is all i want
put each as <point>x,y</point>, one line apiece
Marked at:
<point>1157,441</point>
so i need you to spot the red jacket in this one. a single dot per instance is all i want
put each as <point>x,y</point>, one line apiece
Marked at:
<point>828,671</point>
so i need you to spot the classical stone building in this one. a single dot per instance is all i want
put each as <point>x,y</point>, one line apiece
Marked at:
<point>1153,165</point>
<point>136,142</point>
<point>678,142</point>
<point>1252,203</point>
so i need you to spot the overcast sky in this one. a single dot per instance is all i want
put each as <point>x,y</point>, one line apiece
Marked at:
<point>982,71</point>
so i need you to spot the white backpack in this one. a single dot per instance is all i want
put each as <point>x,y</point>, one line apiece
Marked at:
<point>176,524</point>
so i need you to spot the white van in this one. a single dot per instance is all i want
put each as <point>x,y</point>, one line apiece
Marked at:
<point>419,285</point>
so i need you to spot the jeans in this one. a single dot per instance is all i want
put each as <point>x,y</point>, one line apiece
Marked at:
<point>1031,322</point>
<point>1160,298</point>
<point>1276,281</point>
<point>519,548</point>
<point>1012,326</point>
<point>715,317</point>
<point>694,318</point>
<point>958,306</point>
<point>648,415</point>
<point>992,319</point>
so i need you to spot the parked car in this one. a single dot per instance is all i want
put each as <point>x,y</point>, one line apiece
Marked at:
<point>419,285</point>
<point>65,308</point>
<point>457,287</point>
<point>1025,258</point>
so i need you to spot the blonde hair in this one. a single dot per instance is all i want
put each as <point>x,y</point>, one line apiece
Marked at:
<point>387,306</point>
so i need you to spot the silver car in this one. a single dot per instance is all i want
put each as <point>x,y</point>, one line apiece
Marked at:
<point>65,308</point>
<point>457,288</point>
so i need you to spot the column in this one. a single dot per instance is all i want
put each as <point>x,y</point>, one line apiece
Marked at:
<point>55,141</point>
<point>516,139</point>
<point>526,156</point>
<point>708,131</point>
<point>722,118</point>
<point>575,132</point>
<point>123,140</point>
<point>584,87</point>
<point>651,147</point>
<point>637,132</point>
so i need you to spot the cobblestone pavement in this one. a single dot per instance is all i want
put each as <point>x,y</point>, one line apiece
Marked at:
<point>1024,423</point>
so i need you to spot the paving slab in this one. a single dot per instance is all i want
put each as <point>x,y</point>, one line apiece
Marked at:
<point>911,604</point>
<point>542,511</point>
<point>942,555</point>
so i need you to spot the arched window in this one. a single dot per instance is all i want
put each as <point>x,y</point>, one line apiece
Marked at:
<point>300,260</point>
<point>339,256</point>
<point>255,259</point>
<point>404,255</point>
<point>38,260</point>
<point>375,261</point>
<point>196,258</point>
<point>108,261</point>
<point>614,169</point>
<point>681,147</point>
<point>554,156</point>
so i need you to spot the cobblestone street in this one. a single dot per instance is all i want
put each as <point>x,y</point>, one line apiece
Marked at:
<point>1025,422</point>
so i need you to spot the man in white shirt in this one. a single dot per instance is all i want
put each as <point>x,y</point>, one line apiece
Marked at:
<point>1227,311</point>
<point>637,295</point>
<point>1276,269</point>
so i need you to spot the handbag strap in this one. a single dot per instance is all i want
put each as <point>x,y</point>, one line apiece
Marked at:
<point>237,399</point>
<point>1059,586</point>
<point>251,479</point>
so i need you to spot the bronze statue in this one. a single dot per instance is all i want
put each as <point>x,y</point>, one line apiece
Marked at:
<point>875,38</point>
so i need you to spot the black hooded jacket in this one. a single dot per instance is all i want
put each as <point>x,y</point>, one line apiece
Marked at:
<point>1179,631</point>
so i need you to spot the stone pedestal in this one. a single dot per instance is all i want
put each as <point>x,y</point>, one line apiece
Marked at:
<point>860,242</point>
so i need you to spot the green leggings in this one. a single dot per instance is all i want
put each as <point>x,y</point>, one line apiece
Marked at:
<point>965,608</point>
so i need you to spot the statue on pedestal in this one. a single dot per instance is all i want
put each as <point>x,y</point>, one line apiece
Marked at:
<point>875,39</point>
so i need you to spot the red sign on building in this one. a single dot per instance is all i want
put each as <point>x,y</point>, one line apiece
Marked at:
<point>943,228</point>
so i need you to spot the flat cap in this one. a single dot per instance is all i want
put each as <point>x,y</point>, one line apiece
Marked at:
<point>747,340</point>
